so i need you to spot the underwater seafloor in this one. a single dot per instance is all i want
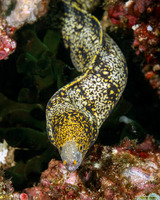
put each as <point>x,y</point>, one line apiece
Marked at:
<point>124,163</point>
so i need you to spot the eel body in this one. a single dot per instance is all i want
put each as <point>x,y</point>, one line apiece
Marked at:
<point>75,113</point>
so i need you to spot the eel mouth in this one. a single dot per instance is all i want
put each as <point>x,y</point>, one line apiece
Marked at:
<point>71,156</point>
<point>71,166</point>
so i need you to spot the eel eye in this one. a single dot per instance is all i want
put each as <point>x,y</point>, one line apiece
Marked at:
<point>80,148</point>
<point>75,162</point>
<point>64,162</point>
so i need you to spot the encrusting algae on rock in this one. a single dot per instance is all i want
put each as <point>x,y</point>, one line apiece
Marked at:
<point>21,12</point>
<point>76,112</point>
<point>142,18</point>
<point>128,171</point>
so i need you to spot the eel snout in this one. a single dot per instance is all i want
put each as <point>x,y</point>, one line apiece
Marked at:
<point>71,156</point>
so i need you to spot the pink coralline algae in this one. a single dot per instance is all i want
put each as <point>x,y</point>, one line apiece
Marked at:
<point>126,171</point>
<point>7,44</point>
<point>143,17</point>
<point>24,12</point>
<point>57,183</point>
<point>121,172</point>
<point>127,14</point>
<point>119,15</point>
<point>147,42</point>
<point>23,196</point>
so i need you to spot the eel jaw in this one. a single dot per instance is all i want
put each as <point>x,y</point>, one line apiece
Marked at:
<point>71,156</point>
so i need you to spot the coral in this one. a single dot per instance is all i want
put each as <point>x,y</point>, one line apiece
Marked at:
<point>120,172</point>
<point>7,191</point>
<point>142,17</point>
<point>3,152</point>
<point>127,14</point>
<point>23,12</point>
<point>6,155</point>
<point>7,44</point>
<point>119,15</point>
<point>27,11</point>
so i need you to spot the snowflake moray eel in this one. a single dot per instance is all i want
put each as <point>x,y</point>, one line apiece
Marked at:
<point>75,113</point>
